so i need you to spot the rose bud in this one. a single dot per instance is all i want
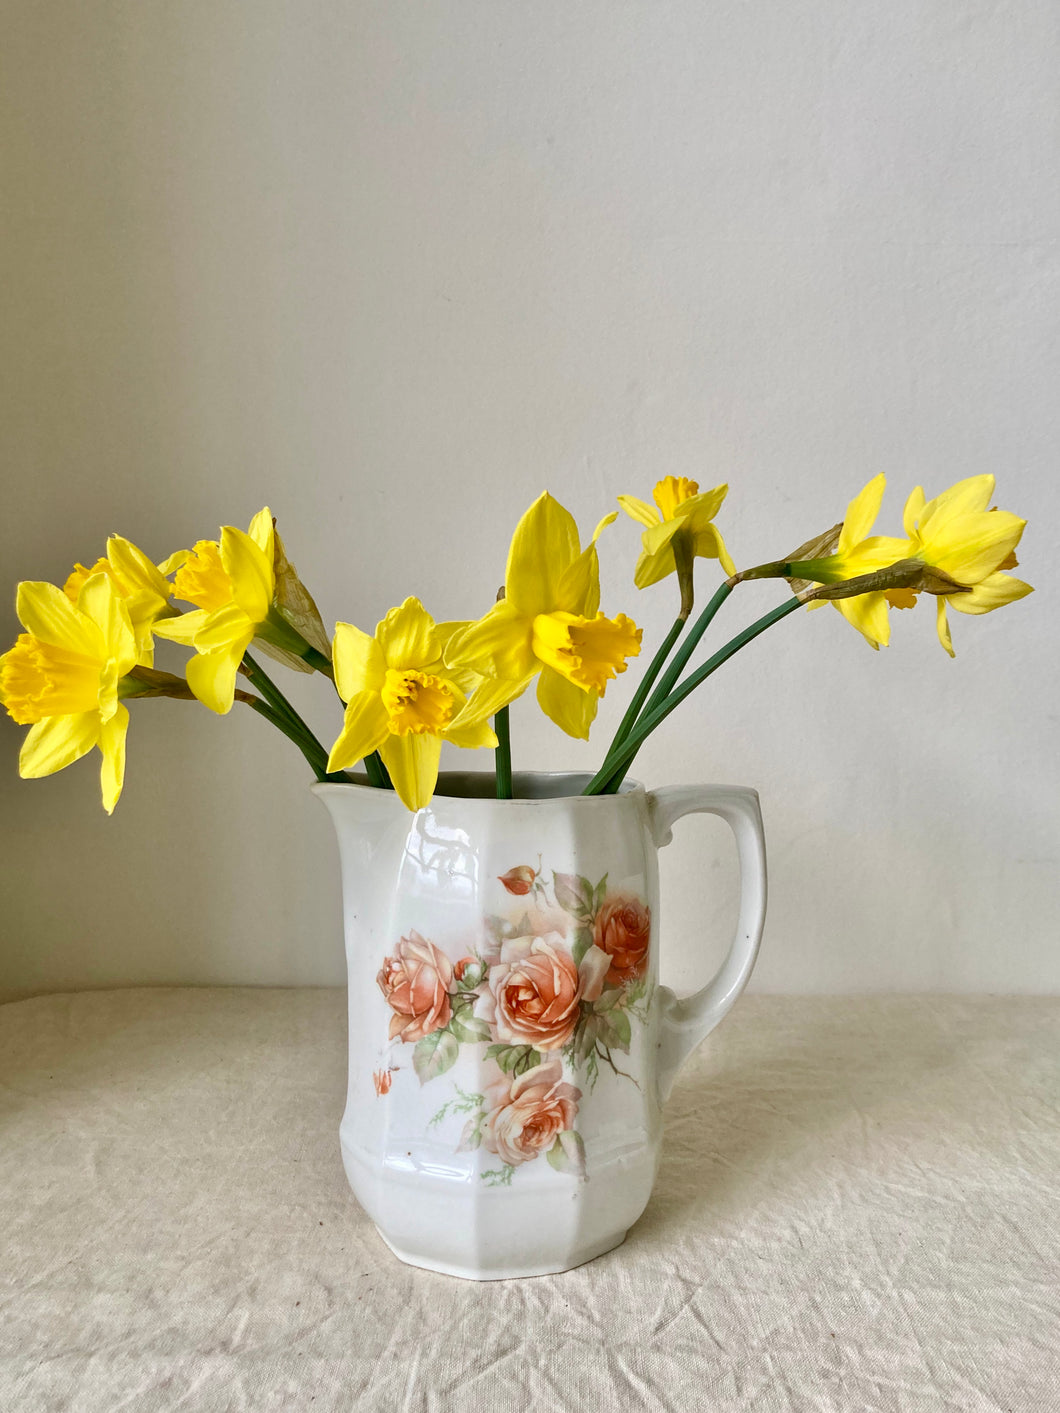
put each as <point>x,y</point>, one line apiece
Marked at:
<point>518,880</point>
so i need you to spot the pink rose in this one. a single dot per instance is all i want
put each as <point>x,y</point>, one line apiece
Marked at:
<point>534,991</point>
<point>524,1118</point>
<point>416,984</point>
<point>623,930</point>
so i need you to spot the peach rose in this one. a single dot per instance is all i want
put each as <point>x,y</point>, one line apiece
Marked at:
<point>534,991</point>
<point>416,984</point>
<point>524,1118</point>
<point>623,930</point>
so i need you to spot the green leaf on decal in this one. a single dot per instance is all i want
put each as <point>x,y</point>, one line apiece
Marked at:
<point>567,1154</point>
<point>469,1029</point>
<point>435,1054</point>
<point>574,894</point>
<point>514,1059</point>
<point>583,940</point>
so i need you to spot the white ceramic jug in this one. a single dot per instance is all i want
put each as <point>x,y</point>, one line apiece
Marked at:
<point>510,1047</point>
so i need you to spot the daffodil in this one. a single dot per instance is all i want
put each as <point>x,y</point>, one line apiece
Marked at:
<point>142,584</point>
<point>402,700</point>
<point>234,585</point>
<point>857,553</point>
<point>955,549</point>
<point>957,534</point>
<point>64,678</point>
<point>547,623</point>
<point>683,514</point>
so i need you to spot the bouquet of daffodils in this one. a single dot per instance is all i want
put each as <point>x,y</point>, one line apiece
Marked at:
<point>88,648</point>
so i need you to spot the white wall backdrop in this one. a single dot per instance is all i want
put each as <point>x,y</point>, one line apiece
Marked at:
<point>393,269</point>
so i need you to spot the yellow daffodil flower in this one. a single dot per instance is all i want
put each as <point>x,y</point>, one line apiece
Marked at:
<point>401,699</point>
<point>63,679</point>
<point>858,553</point>
<point>956,533</point>
<point>232,583</point>
<point>142,585</point>
<point>547,623</point>
<point>682,510</point>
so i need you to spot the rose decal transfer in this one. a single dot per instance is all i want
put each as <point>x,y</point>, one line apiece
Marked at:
<point>551,989</point>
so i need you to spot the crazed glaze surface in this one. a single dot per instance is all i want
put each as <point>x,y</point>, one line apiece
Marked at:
<point>510,1046</point>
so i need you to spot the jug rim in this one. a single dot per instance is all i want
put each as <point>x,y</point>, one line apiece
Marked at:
<point>530,787</point>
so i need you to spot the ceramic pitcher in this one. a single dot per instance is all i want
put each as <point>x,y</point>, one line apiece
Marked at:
<point>510,1046</point>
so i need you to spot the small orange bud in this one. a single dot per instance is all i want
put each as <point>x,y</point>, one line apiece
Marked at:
<point>518,880</point>
<point>382,1079</point>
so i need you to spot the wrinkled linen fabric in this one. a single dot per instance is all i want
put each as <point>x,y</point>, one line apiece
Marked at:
<point>857,1209</point>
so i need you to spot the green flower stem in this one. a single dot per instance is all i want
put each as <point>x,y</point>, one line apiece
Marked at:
<point>318,661</point>
<point>640,696</point>
<point>318,767</point>
<point>276,699</point>
<point>377,772</point>
<point>503,754</point>
<point>670,677</point>
<point>610,775</point>
<point>688,647</point>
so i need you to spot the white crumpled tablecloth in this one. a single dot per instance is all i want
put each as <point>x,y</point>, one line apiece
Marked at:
<point>857,1209</point>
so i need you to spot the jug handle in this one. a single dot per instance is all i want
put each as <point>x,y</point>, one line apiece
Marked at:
<point>687,1020</point>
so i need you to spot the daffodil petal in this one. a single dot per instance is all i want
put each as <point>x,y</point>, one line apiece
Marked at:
<point>708,544</point>
<point>112,771</point>
<point>578,590</point>
<point>602,524</point>
<point>702,507</point>
<point>651,568</point>
<point>364,729</point>
<point>861,513</point>
<point>212,676</point>
<point>868,614</point>
<point>101,602</point>
<point>994,591</point>
<point>56,742</point>
<point>639,510</point>
<point>499,645</point>
<point>571,707</point>
<point>222,628</point>
<point>942,623</point>
<point>412,762</point>
<point>173,562</point>
<point>967,497</point>
<point>184,628</point>
<point>969,547</point>
<point>914,508</point>
<point>488,698</point>
<point>251,573</point>
<point>135,567</point>
<point>358,661</point>
<point>544,544</point>
<point>473,736</point>
<point>46,612</point>
<point>659,536</point>
<point>407,636</point>
<point>262,530</point>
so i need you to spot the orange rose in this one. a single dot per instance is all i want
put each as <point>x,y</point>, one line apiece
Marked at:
<point>623,930</point>
<point>526,1117</point>
<point>416,984</point>
<point>534,991</point>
